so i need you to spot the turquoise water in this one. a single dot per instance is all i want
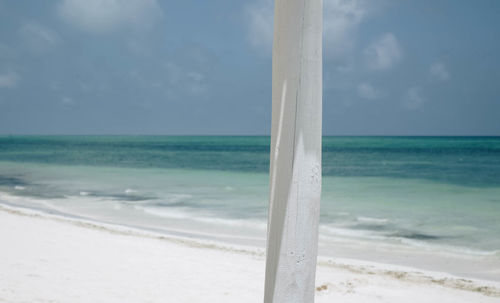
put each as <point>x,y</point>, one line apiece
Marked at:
<point>458,160</point>
<point>437,194</point>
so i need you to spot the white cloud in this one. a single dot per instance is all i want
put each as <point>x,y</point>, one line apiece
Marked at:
<point>414,99</point>
<point>383,53</point>
<point>104,16</point>
<point>260,28</point>
<point>340,19</point>
<point>38,38</point>
<point>439,71</point>
<point>9,80</point>
<point>367,91</point>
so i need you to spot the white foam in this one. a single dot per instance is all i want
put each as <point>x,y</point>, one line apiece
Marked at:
<point>234,222</point>
<point>350,233</point>
<point>448,248</point>
<point>173,213</point>
<point>26,200</point>
<point>163,212</point>
<point>18,187</point>
<point>372,220</point>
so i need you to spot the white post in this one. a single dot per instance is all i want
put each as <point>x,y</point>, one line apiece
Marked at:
<point>295,181</point>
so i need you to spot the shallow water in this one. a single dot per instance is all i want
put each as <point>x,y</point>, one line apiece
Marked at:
<point>419,196</point>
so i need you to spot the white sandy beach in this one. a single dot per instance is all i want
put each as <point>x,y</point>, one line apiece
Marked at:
<point>46,258</point>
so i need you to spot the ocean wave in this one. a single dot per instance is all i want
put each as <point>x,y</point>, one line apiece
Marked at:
<point>418,240</point>
<point>461,250</point>
<point>165,213</point>
<point>174,200</point>
<point>126,197</point>
<point>38,202</point>
<point>413,235</point>
<point>372,220</point>
<point>189,214</point>
<point>328,230</point>
<point>356,228</point>
<point>12,181</point>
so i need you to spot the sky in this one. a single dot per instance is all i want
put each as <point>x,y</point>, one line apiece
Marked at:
<point>164,67</point>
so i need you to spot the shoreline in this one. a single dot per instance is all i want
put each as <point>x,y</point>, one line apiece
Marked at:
<point>432,259</point>
<point>335,276</point>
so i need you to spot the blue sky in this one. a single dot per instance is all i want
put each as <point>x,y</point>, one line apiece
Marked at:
<point>423,67</point>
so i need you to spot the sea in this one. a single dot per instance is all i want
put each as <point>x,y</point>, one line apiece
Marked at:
<point>424,202</point>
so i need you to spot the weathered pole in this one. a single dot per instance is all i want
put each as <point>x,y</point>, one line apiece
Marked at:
<point>295,170</point>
